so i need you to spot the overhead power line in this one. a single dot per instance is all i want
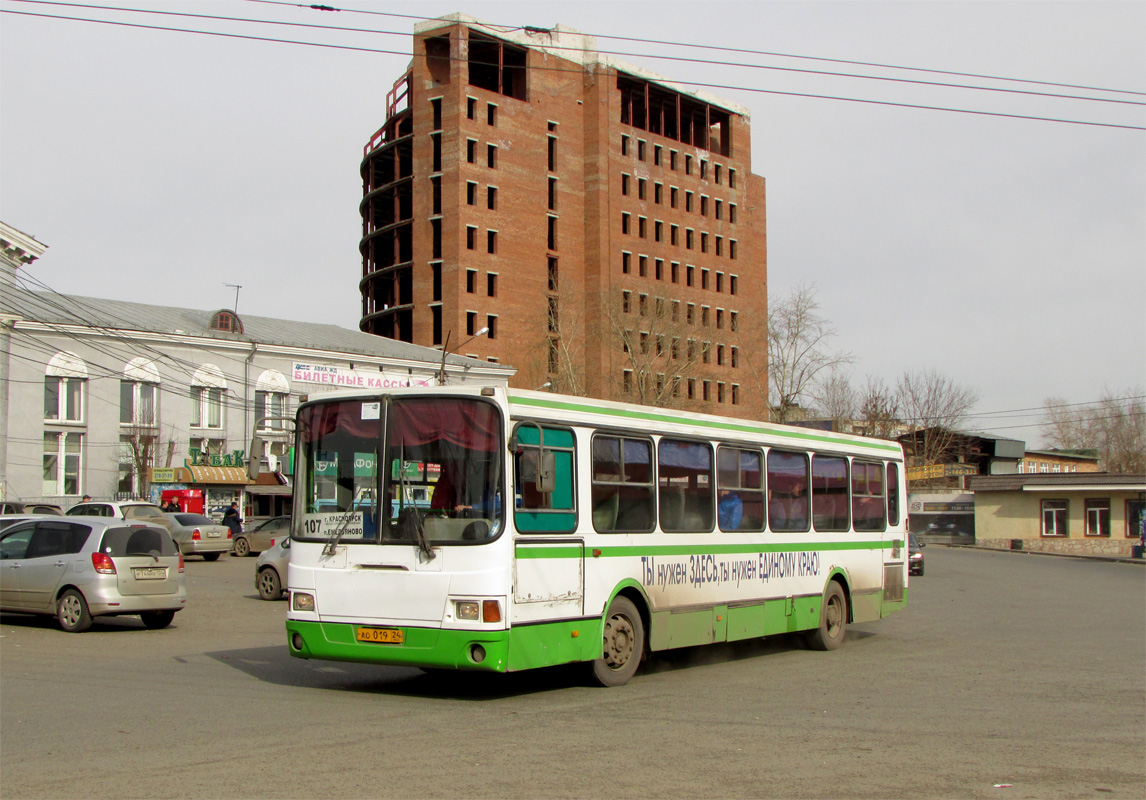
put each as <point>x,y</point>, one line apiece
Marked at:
<point>656,56</point>
<point>699,84</point>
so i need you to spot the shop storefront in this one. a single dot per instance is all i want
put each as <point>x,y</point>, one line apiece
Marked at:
<point>220,486</point>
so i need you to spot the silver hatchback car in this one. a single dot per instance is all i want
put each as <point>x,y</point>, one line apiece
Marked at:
<point>77,568</point>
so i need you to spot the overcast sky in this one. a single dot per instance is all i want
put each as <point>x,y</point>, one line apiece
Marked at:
<point>1009,254</point>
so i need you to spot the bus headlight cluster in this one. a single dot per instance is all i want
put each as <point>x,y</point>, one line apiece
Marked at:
<point>466,609</point>
<point>300,601</point>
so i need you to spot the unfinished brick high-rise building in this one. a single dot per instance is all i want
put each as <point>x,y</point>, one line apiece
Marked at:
<point>602,223</point>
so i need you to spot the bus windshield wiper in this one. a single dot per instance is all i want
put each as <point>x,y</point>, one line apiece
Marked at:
<point>335,537</point>
<point>419,527</point>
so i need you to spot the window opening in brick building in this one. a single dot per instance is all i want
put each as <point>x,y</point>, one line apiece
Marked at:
<point>735,394</point>
<point>732,249</point>
<point>552,356</point>
<point>436,183</point>
<point>551,125</point>
<point>471,107</point>
<point>716,169</point>
<point>471,323</point>
<point>703,169</point>
<point>471,281</point>
<point>719,250</point>
<point>704,244</point>
<point>690,272</point>
<point>436,236</point>
<point>735,356</point>
<point>640,149</point>
<point>676,310</point>
<point>491,155</point>
<point>719,279</point>
<point>552,234</point>
<point>688,238</point>
<point>627,381</point>
<point>471,237</point>
<point>704,319</point>
<point>491,241</point>
<point>436,106</point>
<point>626,302</point>
<point>731,178</point>
<point>720,355</point>
<point>704,205</point>
<point>491,284</point>
<point>643,305</point>
<point>642,225</point>
<point>733,319</point>
<point>436,271</point>
<point>673,231</point>
<point>732,213</point>
<point>552,154</point>
<point>719,210</point>
<point>672,159</point>
<point>641,188</point>
<point>471,150</point>
<point>624,184</point>
<point>690,315</point>
<point>436,315</point>
<point>553,320</point>
<point>491,198</point>
<point>471,193</point>
<point>626,258</point>
<point>659,269</point>
<point>643,262</point>
<point>672,197</point>
<point>491,323</point>
<point>658,190</point>
<point>496,65</point>
<point>436,141</point>
<point>720,391</point>
<point>706,386</point>
<point>657,154</point>
<point>657,228</point>
<point>732,284</point>
<point>720,319</point>
<point>675,268</point>
<point>688,202</point>
<point>692,388</point>
<point>688,165</point>
<point>490,114</point>
<point>624,145</point>
<point>625,222</point>
<point>552,270</point>
<point>552,194</point>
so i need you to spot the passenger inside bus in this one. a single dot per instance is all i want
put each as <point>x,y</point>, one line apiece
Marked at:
<point>459,494</point>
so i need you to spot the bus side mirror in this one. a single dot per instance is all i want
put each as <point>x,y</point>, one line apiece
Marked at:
<point>546,472</point>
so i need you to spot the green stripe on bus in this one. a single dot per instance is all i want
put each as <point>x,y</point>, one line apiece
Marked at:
<point>726,425</point>
<point>627,551</point>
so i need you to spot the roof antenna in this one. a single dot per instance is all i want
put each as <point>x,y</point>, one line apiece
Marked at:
<point>236,287</point>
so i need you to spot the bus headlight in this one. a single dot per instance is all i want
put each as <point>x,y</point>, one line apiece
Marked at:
<point>466,609</point>
<point>301,601</point>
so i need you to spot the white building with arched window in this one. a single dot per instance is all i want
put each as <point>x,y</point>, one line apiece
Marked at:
<point>116,399</point>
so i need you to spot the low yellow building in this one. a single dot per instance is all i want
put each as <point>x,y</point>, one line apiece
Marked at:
<point>1096,514</point>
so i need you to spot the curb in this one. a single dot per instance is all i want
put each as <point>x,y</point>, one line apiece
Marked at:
<point>1109,559</point>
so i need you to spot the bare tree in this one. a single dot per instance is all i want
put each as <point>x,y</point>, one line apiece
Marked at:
<point>879,409</point>
<point>835,398</point>
<point>140,451</point>
<point>798,350</point>
<point>1115,426</point>
<point>935,407</point>
<point>659,356</point>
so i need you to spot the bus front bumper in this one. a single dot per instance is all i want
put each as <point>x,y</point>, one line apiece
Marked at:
<point>432,648</point>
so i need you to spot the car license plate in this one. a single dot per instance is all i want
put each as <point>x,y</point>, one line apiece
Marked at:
<point>380,635</point>
<point>149,573</point>
<point>213,534</point>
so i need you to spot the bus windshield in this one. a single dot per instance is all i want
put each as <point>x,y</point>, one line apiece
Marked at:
<point>413,470</point>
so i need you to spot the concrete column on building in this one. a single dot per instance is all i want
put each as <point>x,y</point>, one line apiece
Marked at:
<point>16,249</point>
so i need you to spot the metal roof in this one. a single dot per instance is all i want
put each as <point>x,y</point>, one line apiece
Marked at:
<point>1060,480</point>
<point>54,309</point>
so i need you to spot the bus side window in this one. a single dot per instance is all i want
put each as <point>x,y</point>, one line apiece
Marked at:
<point>740,489</point>
<point>892,494</point>
<point>685,475</point>
<point>538,511</point>
<point>622,479</point>
<point>787,491</point>
<point>868,506</point>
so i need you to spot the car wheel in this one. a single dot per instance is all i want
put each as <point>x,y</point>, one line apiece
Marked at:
<point>210,556</point>
<point>241,548</point>
<point>623,644</point>
<point>72,612</point>
<point>154,620</point>
<point>268,584</point>
<point>833,620</point>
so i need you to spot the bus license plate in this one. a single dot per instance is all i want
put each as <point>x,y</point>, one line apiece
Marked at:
<point>149,573</point>
<point>380,635</point>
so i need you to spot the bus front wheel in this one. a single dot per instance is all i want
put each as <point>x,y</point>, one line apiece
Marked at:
<point>623,644</point>
<point>833,620</point>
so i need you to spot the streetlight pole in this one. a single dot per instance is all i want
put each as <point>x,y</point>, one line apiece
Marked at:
<point>446,351</point>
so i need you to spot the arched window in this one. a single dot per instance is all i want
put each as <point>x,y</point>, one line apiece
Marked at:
<point>271,393</point>
<point>64,381</point>
<point>139,393</point>
<point>226,321</point>
<point>207,388</point>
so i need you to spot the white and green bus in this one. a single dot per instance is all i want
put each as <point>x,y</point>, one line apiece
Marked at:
<point>502,530</point>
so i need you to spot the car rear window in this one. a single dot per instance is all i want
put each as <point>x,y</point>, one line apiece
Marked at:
<point>194,519</point>
<point>136,512</point>
<point>137,542</point>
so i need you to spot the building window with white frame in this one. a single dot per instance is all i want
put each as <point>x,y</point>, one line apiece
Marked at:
<point>207,389</point>
<point>64,382</point>
<point>63,452</point>
<point>1055,514</point>
<point>1098,516</point>
<point>139,393</point>
<point>272,392</point>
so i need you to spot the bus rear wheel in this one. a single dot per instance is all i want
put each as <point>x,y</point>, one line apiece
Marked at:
<point>623,644</point>
<point>833,620</point>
